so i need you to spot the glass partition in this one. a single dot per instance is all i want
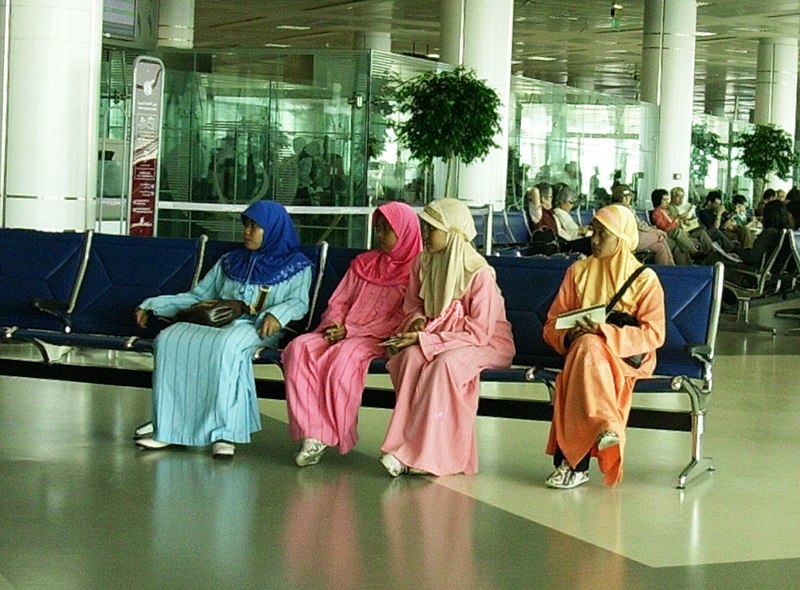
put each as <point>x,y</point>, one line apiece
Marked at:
<point>581,138</point>
<point>314,131</point>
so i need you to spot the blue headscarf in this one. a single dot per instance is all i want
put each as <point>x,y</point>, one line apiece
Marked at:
<point>279,256</point>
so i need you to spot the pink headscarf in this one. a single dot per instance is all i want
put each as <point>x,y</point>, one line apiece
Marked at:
<point>392,268</point>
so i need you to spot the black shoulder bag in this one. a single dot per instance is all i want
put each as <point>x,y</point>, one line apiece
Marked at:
<point>620,318</point>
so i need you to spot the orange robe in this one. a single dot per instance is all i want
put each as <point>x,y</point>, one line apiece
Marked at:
<point>594,391</point>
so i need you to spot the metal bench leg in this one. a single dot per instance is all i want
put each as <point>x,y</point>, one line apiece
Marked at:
<point>742,323</point>
<point>698,463</point>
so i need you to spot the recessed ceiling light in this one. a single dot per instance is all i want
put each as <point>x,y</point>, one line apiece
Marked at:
<point>540,58</point>
<point>292,28</point>
<point>279,45</point>
<point>704,33</point>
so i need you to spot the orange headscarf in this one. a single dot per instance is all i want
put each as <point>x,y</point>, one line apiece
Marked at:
<point>598,279</point>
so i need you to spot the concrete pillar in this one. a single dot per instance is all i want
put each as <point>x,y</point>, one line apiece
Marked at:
<point>51,123</point>
<point>776,83</point>
<point>176,24</point>
<point>477,34</point>
<point>668,82</point>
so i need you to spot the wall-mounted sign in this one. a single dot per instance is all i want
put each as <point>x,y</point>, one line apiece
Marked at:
<point>148,95</point>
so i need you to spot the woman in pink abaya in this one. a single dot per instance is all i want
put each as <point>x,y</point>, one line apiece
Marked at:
<point>325,371</point>
<point>455,327</point>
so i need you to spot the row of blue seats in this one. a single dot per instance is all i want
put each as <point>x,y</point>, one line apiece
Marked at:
<point>91,283</point>
<point>529,285</point>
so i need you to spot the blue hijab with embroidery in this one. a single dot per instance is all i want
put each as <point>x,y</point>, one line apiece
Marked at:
<point>279,256</point>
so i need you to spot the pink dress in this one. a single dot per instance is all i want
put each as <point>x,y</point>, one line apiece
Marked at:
<point>437,382</point>
<point>324,382</point>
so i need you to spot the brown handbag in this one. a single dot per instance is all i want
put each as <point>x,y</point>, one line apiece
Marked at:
<point>216,313</point>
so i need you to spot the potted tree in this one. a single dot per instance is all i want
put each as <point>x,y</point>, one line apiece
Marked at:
<point>766,150</point>
<point>450,115</point>
<point>706,145</point>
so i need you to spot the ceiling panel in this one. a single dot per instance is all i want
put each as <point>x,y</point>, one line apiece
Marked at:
<point>563,41</point>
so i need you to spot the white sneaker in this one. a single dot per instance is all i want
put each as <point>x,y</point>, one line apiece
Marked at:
<point>310,452</point>
<point>566,478</point>
<point>607,439</point>
<point>222,450</point>
<point>143,430</point>
<point>151,444</point>
<point>393,465</point>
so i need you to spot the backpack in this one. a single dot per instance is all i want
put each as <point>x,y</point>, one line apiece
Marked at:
<point>543,241</point>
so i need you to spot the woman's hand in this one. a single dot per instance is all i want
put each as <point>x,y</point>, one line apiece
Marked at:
<point>142,317</point>
<point>582,326</point>
<point>269,326</point>
<point>400,341</point>
<point>334,333</point>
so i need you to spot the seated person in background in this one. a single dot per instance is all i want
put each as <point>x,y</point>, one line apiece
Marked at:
<point>455,326</point>
<point>712,217</point>
<point>540,207</point>
<point>793,206</point>
<point>738,225</point>
<point>326,370</point>
<point>573,237</point>
<point>204,390</point>
<point>650,238</point>
<point>686,213</point>
<point>766,197</point>
<point>594,391</point>
<point>775,220</point>
<point>685,248</point>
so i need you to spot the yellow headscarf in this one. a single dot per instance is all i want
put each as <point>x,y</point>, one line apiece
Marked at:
<point>446,275</point>
<point>598,279</point>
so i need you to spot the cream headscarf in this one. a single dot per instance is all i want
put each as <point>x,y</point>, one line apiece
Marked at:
<point>598,279</point>
<point>446,275</point>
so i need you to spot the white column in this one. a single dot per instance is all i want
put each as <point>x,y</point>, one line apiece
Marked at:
<point>372,40</point>
<point>52,119</point>
<point>477,34</point>
<point>776,83</point>
<point>176,24</point>
<point>668,82</point>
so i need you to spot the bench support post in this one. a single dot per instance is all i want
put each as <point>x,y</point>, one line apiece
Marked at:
<point>742,323</point>
<point>699,400</point>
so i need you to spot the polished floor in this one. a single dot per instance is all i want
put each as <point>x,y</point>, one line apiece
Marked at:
<point>80,508</point>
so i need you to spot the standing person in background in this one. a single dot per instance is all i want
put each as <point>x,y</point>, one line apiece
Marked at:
<point>593,392</point>
<point>455,326</point>
<point>326,370</point>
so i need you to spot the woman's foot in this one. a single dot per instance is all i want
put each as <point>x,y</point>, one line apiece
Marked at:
<point>222,450</point>
<point>151,444</point>
<point>393,465</point>
<point>566,478</point>
<point>607,439</point>
<point>143,430</point>
<point>310,452</point>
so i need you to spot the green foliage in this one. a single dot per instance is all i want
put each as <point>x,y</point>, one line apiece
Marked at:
<point>450,115</point>
<point>767,150</point>
<point>706,145</point>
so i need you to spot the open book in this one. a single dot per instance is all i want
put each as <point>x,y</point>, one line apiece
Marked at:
<point>596,313</point>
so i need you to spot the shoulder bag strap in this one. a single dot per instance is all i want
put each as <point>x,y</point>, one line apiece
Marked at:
<point>618,295</point>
